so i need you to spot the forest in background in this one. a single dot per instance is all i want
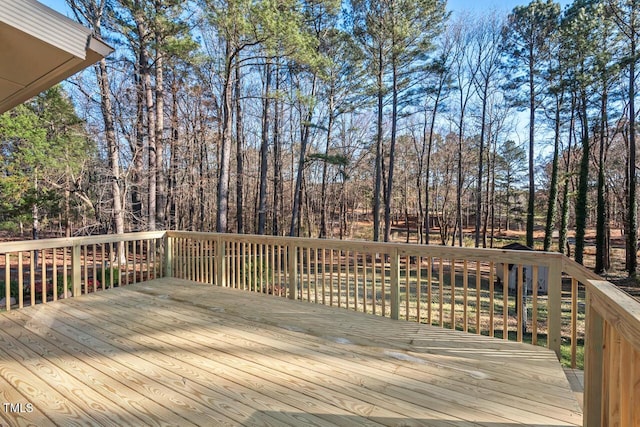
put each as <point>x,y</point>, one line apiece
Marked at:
<point>365,119</point>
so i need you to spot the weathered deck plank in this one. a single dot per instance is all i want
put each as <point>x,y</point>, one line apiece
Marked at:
<point>169,352</point>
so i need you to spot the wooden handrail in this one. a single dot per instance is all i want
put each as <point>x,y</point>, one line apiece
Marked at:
<point>34,245</point>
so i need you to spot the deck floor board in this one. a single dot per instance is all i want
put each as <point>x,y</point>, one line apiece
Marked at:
<point>171,352</point>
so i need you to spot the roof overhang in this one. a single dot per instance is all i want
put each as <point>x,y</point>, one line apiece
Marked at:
<point>39,48</point>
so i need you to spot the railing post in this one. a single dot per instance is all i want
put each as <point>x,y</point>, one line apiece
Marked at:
<point>554,333</point>
<point>292,266</point>
<point>593,359</point>
<point>395,284</point>
<point>76,269</point>
<point>168,256</point>
<point>220,255</point>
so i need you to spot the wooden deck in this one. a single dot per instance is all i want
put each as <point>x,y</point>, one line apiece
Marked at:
<point>170,352</point>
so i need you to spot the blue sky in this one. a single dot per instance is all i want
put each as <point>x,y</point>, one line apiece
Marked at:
<point>453,5</point>
<point>499,5</point>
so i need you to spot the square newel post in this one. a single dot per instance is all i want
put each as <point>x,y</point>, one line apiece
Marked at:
<point>593,370</point>
<point>554,333</point>
<point>292,267</point>
<point>395,284</point>
<point>76,269</point>
<point>168,256</point>
<point>220,256</point>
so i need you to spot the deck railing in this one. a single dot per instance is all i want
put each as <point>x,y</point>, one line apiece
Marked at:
<point>538,297</point>
<point>40,271</point>
<point>457,288</point>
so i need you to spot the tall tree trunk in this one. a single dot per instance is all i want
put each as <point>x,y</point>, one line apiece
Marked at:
<point>487,191</point>
<point>161,196</point>
<point>553,190</point>
<point>427,207</point>
<point>137,153</point>
<point>632,203</point>
<point>325,164</point>
<point>583,183</point>
<point>304,142</point>
<point>492,199</point>
<point>564,223</point>
<point>532,119</point>
<point>264,151</point>
<point>173,162</point>
<point>378,168</point>
<point>225,145</point>
<point>601,208</point>
<point>277,160</point>
<point>392,151</point>
<point>458,226</point>
<point>145,77</point>
<point>113,152</point>
<point>481,164</point>
<point>239,153</point>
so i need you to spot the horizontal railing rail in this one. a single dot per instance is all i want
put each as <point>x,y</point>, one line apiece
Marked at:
<point>538,297</point>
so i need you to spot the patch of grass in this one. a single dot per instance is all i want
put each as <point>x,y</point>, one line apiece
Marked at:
<point>107,277</point>
<point>13,289</point>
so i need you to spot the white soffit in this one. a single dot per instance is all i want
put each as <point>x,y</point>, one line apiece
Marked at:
<point>39,48</point>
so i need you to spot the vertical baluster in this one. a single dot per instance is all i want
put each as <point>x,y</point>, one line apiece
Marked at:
<point>429,290</point>
<point>339,278</point>
<point>347,262</point>
<point>478,294</point>
<point>491,299</point>
<point>94,267</point>
<point>54,273</point>
<point>356,280</point>
<point>308,251</point>
<point>505,302</point>
<point>248,265</point>
<point>534,309</point>
<point>407,285</point>
<point>150,254</point>
<point>43,274</point>
<point>65,267</point>
<point>452,272</point>
<point>256,267</point>
<point>236,260</point>
<point>230,254</point>
<point>134,254</point>
<point>323,261</point>
<point>465,296</point>
<point>112,260</point>
<point>315,274</point>
<point>374,284</point>
<point>331,277</point>
<point>365,265</point>
<point>441,291</point>
<point>574,320</point>
<point>419,289</point>
<point>126,263</point>
<point>519,303</point>
<point>7,281</point>
<point>20,278</point>
<point>103,273</point>
<point>394,283</point>
<point>32,277</point>
<point>383,284</point>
